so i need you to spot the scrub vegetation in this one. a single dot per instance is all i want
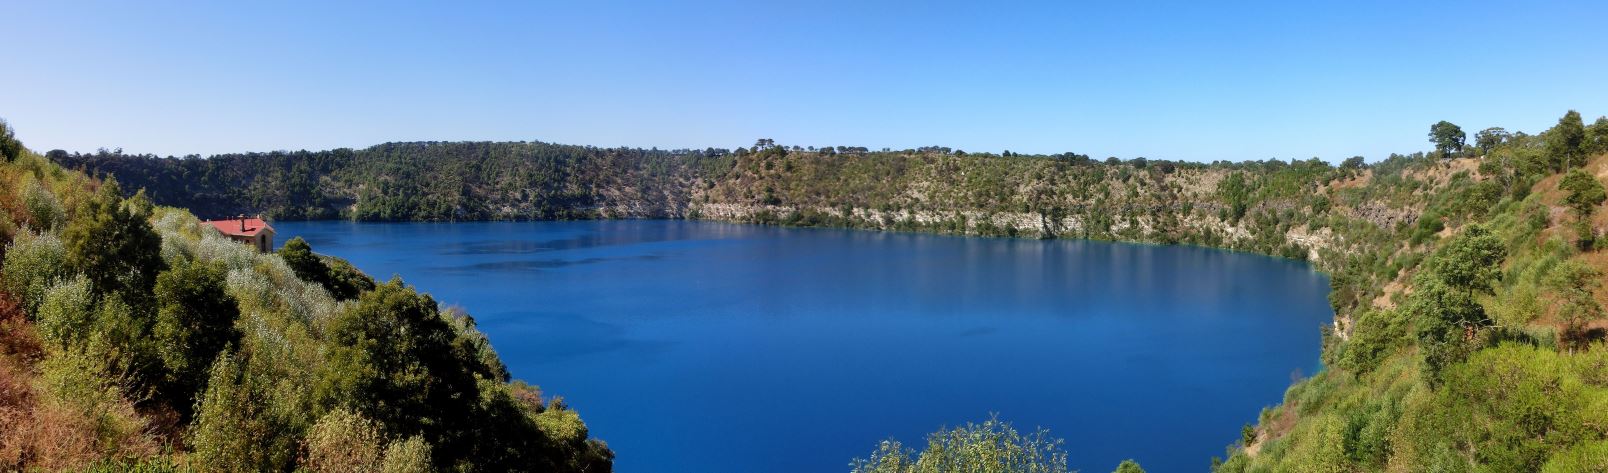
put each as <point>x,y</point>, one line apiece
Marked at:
<point>133,338</point>
<point>1466,282</point>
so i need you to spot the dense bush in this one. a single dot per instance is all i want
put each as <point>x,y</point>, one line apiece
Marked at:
<point>34,263</point>
<point>110,240</point>
<point>337,276</point>
<point>195,320</point>
<point>990,446</point>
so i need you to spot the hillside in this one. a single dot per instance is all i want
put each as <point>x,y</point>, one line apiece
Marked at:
<point>1466,283</point>
<point>133,339</point>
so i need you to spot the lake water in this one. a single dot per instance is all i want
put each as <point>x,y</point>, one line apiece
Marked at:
<point>709,347</point>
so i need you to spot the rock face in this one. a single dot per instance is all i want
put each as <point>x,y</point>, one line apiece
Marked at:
<point>1382,216</point>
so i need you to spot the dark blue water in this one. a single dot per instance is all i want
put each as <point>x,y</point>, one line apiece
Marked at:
<point>728,348</point>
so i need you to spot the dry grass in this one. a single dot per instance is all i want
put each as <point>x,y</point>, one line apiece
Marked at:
<point>35,435</point>
<point>38,432</point>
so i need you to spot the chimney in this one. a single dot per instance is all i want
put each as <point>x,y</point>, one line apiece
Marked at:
<point>242,223</point>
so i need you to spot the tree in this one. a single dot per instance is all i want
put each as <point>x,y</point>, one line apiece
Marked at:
<point>1444,303</point>
<point>195,320</point>
<point>1585,193</point>
<point>1489,138</point>
<point>10,148</point>
<point>1237,192</point>
<point>338,277</point>
<point>1566,142</point>
<point>1597,136</point>
<point>397,361</point>
<point>1471,262</point>
<point>1503,167</point>
<point>1129,466</point>
<point>1574,282</point>
<point>110,240</point>
<point>1448,138</point>
<point>298,255</point>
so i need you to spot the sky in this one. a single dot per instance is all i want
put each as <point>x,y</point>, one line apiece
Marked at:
<point>1197,81</point>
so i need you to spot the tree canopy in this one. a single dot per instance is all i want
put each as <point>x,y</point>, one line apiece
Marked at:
<point>1447,137</point>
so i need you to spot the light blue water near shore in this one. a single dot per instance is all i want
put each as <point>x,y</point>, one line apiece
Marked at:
<point>709,347</point>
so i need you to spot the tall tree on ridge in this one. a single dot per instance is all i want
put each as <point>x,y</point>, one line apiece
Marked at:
<point>1448,138</point>
<point>1566,141</point>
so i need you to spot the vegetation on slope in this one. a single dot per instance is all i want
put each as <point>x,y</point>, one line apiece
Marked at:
<point>991,446</point>
<point>1486,352</point>
<point>132,337</point>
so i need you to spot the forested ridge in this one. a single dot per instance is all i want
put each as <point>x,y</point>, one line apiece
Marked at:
<point>1466,281</point>
<point>132,338</point>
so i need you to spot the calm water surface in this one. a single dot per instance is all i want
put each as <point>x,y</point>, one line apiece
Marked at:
<point>713,347</point>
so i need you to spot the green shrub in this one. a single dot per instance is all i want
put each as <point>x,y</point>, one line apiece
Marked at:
<point>76,382</point>
<point>397,360</point>
<point>1590,456</point>
<point>340,278</point>
<point>110,241</point>
<point>1376,335</point>
<point>45,211</point>
<point>33,264</point>
<point>1129,466</point>
<point>8,229</point>
<point>990,446</point>
<point>66,316</point>
<point>344,441</point>
<point>195,320</point>
<point>1515,405</point>
<point>234,428</point>
<point>410,455</point>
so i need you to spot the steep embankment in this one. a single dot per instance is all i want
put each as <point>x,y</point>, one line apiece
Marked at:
<point>132,338</point>
<point>1468,308</point>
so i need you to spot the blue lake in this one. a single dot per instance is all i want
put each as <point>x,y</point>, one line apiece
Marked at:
<point>709,347</point>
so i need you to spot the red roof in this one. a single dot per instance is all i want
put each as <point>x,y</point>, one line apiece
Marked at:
<point>240,226</point>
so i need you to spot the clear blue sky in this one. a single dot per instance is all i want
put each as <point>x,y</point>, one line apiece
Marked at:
<point>1184,80</point>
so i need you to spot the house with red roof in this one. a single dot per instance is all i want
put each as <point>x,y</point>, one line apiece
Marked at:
<point>251,231</point>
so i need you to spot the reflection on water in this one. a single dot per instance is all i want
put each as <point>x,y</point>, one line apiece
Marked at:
<point>695,346</point>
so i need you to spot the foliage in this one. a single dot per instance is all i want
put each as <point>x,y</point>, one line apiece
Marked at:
<point>1377,335</point>
<point>1516,405</point>
<point>992,446</point>
<point>1566,142</point>
<point>394,359</point>
<point>1574,281</point>
<point>234,428</point>
<point>1490,138</point>
<point>1585,193</point>
<point>344,441</point>
<point>66,315</point>
<point>1448,138</point>
<point>10,148</point>
<point>195,320</point>
<point>33,263</point>
<point>45,211</point>
<point>110,240</point>
<point>337,276</point>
